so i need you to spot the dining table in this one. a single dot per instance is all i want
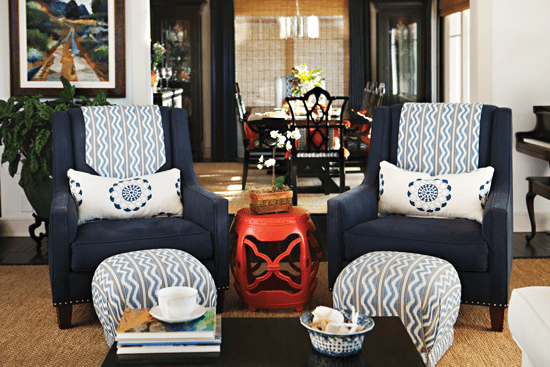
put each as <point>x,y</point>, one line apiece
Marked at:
<point>265,119</point>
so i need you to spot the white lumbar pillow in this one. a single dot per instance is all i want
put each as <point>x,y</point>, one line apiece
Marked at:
<point>145,196</point>
<point>447,196</point>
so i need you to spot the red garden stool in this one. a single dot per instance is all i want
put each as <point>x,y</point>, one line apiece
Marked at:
<point>266,282</point>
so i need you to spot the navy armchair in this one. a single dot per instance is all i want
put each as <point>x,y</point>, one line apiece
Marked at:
<point>481,253</point>
<point>76,250</point>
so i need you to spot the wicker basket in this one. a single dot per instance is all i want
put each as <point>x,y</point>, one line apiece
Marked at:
<point>272,202</point>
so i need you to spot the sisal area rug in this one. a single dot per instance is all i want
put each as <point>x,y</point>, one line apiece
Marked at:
<point>30,336</point>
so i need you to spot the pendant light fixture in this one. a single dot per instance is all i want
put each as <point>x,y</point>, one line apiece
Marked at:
<point>298,26</point>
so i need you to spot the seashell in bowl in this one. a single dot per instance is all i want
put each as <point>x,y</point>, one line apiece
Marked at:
<point>327,313</point>
<point>337,345</point>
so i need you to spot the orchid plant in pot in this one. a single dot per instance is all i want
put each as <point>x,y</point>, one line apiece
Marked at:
<point>277,197</point>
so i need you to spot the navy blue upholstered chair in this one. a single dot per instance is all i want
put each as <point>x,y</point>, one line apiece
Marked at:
<point>481,253</point>
<point>75,251</point>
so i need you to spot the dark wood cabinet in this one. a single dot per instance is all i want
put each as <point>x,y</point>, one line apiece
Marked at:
<point>400,47</point>
<point>177,25</point>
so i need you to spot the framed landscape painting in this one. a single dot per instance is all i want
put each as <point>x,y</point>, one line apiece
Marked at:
<point>81,40</point>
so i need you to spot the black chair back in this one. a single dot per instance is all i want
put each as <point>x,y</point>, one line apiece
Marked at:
<point>320,131</point>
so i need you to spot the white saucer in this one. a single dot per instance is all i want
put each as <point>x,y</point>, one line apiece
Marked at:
<point>195,314</point>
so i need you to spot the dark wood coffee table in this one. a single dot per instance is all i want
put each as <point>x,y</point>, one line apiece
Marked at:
<point>285,342</point>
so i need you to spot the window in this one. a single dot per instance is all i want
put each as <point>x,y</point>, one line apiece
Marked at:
<point>456,57</point>
<point>269,42</point>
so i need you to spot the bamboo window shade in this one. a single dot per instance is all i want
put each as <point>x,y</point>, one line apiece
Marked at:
<point>447,7</point>
<point>261,55</point>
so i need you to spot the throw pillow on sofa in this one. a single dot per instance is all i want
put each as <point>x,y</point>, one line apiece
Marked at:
<point>447,196</point>
<point>144,196</point>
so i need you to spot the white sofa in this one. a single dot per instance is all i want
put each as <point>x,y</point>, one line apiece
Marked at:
<point>529,321</point>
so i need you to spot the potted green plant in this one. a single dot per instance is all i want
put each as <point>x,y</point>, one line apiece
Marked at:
<point>26,134</point>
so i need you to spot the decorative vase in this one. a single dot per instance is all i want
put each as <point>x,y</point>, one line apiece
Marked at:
<point>271,202</point>
<point>39,195</point>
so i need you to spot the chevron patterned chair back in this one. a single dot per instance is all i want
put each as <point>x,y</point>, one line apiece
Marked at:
<point>123,142</point>
<point>435,139</point>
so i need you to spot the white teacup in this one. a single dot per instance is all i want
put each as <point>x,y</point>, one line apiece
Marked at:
<point>177,302</point>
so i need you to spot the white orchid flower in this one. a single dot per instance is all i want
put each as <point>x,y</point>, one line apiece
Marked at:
<point>288,145</point>
<point>274,134</point>
<point>260,166</point>
<point>270,162</point>
<point>261,160</point>
<point>296,134</point>
<point>281,141</point>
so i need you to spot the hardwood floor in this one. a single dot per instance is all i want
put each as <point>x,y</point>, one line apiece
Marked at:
<point>22,250</point>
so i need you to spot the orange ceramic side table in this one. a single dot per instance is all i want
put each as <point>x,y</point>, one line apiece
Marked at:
<point>262,279</point>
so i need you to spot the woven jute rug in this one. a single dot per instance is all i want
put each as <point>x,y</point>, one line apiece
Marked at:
<point>30,337</point>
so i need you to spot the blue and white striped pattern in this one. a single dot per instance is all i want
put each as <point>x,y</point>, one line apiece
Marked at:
<point>439,138</point>
<point>134,278</point>
<point>424,291</point>
<point>124,141</point>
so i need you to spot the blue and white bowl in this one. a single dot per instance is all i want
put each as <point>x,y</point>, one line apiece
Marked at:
<point>337,345</point>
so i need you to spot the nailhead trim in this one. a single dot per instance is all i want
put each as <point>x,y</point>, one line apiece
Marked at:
<point>69,302</point>
<point>486,304</point>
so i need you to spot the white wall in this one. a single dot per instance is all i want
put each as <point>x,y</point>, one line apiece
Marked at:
<point>512,71</point>
<point>16,211</point>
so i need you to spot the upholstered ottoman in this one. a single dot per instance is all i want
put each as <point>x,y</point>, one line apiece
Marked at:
<point>133,279</point>
<point>424,291</point>
<point>529,322</point>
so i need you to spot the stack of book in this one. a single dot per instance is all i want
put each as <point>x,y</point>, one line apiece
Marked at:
<point>140,333</point>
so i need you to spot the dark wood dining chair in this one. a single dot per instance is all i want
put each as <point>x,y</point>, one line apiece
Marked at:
<point>320,151</point>
<point>257,140</point>
<point>357,133</point>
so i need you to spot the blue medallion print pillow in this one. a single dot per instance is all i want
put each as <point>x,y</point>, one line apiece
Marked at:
<point>446,196</point>
<point>145,196</point>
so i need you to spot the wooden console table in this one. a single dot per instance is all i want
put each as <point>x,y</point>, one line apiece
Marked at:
<point>168,97</point>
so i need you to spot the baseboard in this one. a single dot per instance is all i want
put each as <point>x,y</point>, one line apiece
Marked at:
<point>18,227</point>
<point>523,224</point>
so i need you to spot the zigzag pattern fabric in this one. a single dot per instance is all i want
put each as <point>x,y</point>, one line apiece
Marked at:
<point>133,279</point>
<point>124,141</point>
<point>439,138</point>
<point>424,291</point>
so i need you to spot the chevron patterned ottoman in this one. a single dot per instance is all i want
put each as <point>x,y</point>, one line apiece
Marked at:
<point>133,279</point>
<point>424,291</point>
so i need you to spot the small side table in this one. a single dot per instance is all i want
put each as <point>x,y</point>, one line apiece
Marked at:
<point>271,286</point>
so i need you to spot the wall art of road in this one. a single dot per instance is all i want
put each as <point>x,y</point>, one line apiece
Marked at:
<point>67,61</point>
<point>74,48</point>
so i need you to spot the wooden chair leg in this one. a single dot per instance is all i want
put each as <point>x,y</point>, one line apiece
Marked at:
<point>245,167</point>
<point>294,180</point>
<point>497,318</point>
<point>342,172</point>
<point>221,301</point>
<point>64,314</point>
